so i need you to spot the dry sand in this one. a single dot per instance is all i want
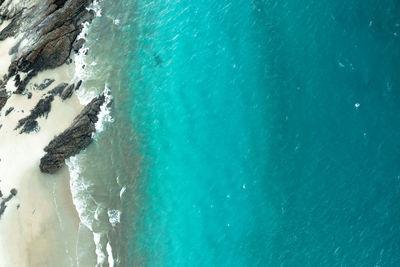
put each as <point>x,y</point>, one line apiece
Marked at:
<point>43,230</point>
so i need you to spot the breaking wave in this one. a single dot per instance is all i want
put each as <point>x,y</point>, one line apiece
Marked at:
<point>94,215</point>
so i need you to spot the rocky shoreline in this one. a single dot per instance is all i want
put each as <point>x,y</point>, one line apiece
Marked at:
<point>3,206</point>
<point>46,35</point>
<point>74,139</point>
<point>50,28</point>
<point>42,123</point>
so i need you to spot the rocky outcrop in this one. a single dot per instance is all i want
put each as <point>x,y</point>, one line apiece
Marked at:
<point>64,90</point>
<point>78,85</point>
<point>8,111</point>
<point>51,27</point>
<point>46,83</point>
<point>58,90</point>
<point>67,93</point>
<point>4,201</point>
<point>3,98</point>
<point>77,137</point>
<point>41,109</point>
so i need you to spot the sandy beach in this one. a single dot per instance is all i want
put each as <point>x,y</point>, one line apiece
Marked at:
<point>39,224</point>
<point>41,218</point>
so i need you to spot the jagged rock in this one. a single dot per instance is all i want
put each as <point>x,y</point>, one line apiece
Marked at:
<point>13,192</point>
<point>3,98</point>
<point>58,89</point>
<point>21,85</point>
<point>78,85</point>
<point>8,111</point>
<point>50,26</point>
<point>46,83</point>
<point>41,109</point>
<point>78,44</point>
<point>67,93</point>
<point>4,201</point>
<point>74,139</point>
<point>17,80</point>
<point>30,126</point>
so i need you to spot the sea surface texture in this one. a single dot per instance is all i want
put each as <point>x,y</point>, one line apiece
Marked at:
<point>245,133</point>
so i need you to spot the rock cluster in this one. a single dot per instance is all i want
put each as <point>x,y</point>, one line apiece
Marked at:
<point>4,201</point>
<point>41,109</point>
<point>51,27</point>
<point>64,90</point>
<point>74,139</point>
<point>3,98</point>
<point>46,83</point>
<point>8,111</point>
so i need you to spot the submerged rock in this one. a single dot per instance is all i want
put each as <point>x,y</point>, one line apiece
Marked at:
<point>74,139</point>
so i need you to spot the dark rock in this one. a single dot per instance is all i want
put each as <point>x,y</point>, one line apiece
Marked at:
<point>78,44</point>
<point>78,85</point>
<point>67,93</point>
<point>8,111</point>
<point>22,84</point>
<point>110,102</point>
<point>4,201</point>
<point>41,109</point>
<point>17,80</point>
<point>30,126</point>
<point>46,83</point>
<point>51,27</point>
<point>74,139</point>
<point>29,94</point>
<point>58,89</point>
<point>3,98</point>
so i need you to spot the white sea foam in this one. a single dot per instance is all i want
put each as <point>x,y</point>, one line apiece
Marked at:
<point>88,210</point>
<point>85,96</point>
<point>123,190</point>
<point>95,6</point>
<point>101,257</point>
<point>80,63</point>
<point>114,216</point>
<point>110,257</point>
<point>80,194</point>
<point>105,112</point>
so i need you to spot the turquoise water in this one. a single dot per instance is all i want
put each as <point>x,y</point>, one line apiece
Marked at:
<point>253,133</point>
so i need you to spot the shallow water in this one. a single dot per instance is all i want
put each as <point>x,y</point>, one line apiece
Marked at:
<point>246,133</point>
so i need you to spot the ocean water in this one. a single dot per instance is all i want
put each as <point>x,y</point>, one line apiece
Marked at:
<point>243,133</point>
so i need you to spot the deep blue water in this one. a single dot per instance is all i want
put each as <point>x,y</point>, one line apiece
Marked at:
<point>266,132</point>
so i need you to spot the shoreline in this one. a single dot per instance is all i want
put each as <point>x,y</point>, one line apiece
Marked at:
<point>36,227</point>
<point>39,225</point>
